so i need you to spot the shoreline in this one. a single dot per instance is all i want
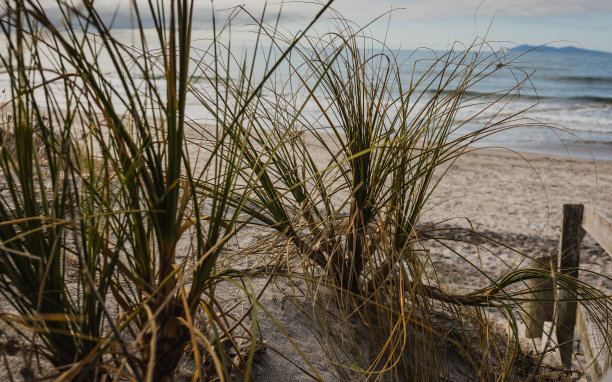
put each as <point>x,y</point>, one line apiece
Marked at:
<point>573,150</point>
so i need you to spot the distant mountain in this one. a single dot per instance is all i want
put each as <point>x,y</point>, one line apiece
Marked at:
<point>551,49</point>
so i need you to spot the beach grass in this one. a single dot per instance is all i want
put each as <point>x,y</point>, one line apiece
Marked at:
<point>117,210</point>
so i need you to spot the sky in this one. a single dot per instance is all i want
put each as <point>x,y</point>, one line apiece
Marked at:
<point>438,24</point>
<point>435,24</point>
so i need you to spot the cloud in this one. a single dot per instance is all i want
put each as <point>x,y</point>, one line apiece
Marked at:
<point>428,9</point>
<point>360,9</point>
<point>121,14</point>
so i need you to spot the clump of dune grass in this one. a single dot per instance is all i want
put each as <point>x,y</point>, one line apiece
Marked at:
<point>354,222</point>
<point>120,146</point>
<point>57,320</point>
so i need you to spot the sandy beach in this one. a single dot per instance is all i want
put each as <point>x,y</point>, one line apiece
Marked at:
<point>512,198</point>
<point>517,200</point>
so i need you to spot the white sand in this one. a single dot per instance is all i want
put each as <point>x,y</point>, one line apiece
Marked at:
<point>517,199</point>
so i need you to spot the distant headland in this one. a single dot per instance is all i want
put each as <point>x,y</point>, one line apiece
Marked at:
<point>551,49</point>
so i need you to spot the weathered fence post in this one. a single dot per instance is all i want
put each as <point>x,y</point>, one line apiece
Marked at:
<point>568,263</point>
<point>541,297</point>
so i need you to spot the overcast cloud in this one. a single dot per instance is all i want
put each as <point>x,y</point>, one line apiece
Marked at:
<point>441,8</point>
<point>434,23</point>
<point>422,9</point>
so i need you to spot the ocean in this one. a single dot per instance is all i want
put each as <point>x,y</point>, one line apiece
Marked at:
<point>569,92</point>
<point>564,100</point>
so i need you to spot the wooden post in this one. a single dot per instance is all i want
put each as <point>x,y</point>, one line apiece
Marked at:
<point>541,305</point>
<point>568,263</point>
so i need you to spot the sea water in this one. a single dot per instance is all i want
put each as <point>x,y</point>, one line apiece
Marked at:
<point>568,92</point>
<point>562,104</point>
<point>557,102</point>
